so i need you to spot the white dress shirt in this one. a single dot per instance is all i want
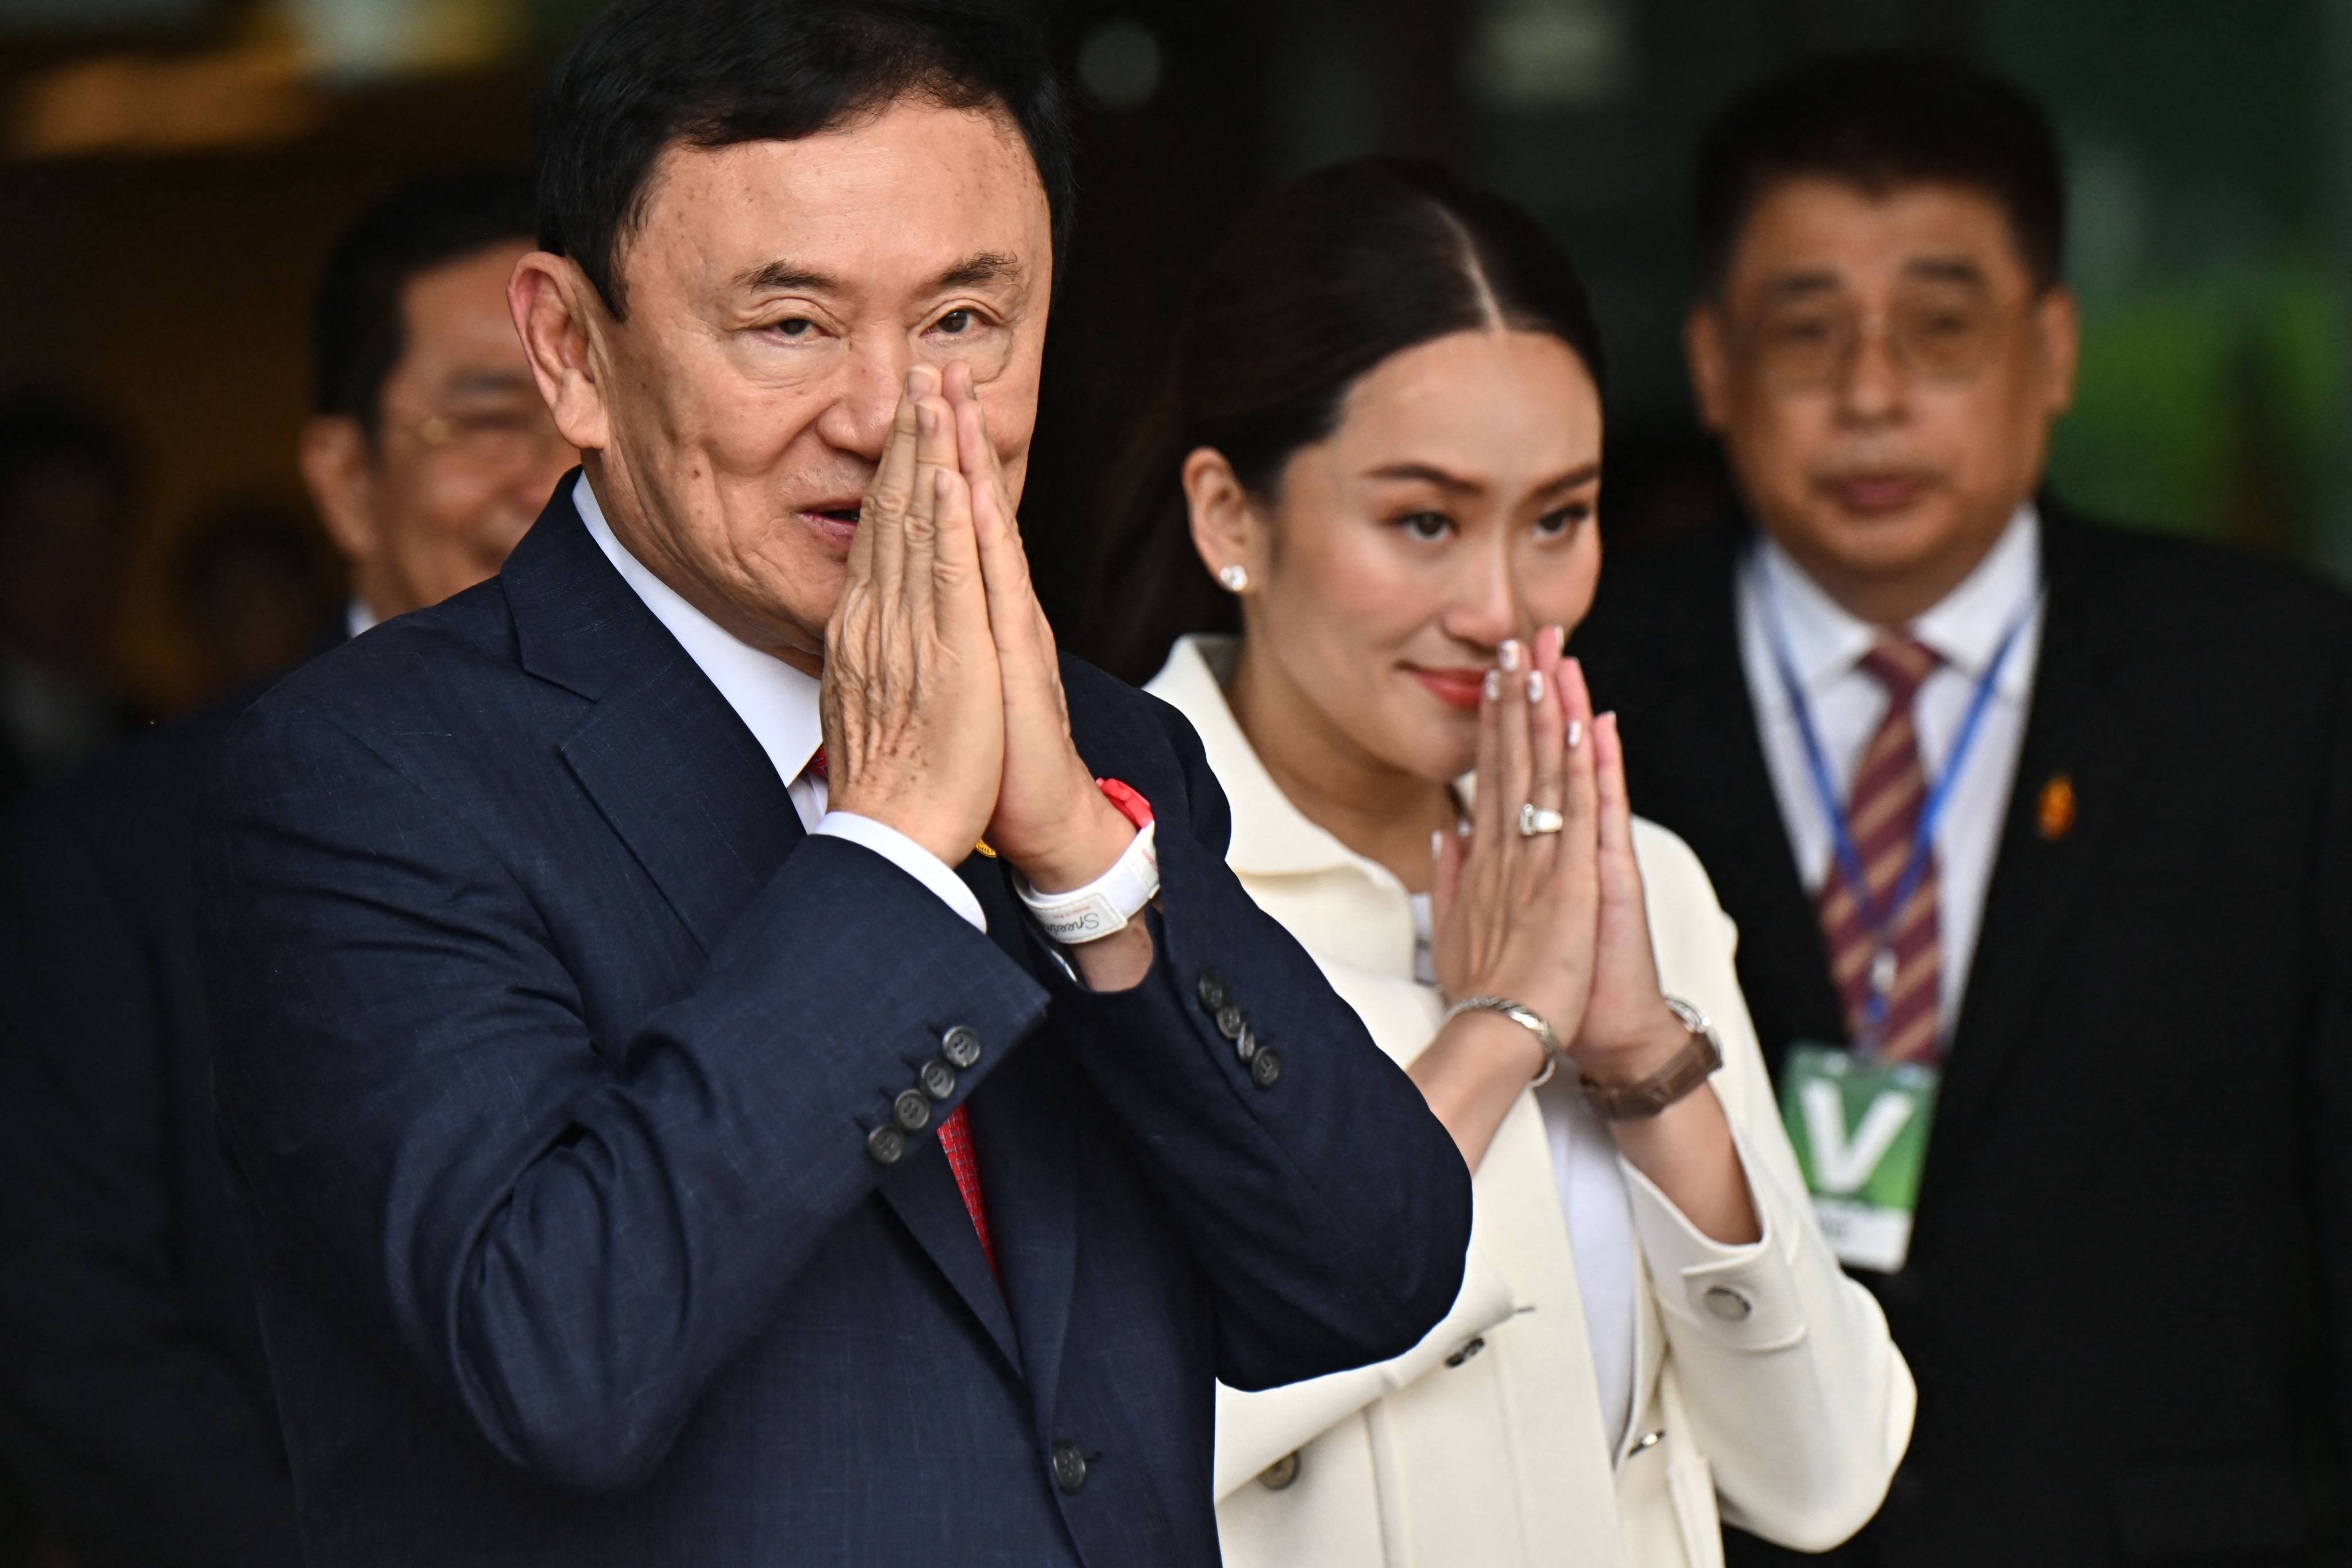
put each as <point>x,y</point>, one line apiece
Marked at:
<point>779,705</point>
<point>1825,646</point>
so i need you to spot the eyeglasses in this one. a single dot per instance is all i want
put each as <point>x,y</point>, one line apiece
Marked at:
<point>503,437</point>
<point>1935,334</point>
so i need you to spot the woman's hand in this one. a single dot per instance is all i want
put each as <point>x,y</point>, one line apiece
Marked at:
<point>1628,1032</point>
<point>1514,914</point>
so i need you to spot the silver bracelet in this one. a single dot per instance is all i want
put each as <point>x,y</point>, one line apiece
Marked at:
<point>1518,1013</point>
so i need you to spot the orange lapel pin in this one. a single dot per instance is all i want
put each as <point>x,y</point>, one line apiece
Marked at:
<point>2054,813</point>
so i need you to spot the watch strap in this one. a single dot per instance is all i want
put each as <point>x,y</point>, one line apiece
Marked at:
<point>1690,1067</point>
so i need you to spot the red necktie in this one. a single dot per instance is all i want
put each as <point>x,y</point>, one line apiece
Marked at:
<point>1900,963</point>
<point>955,1132</point>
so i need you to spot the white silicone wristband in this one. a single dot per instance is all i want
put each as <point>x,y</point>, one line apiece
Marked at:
<point>1104,906</point>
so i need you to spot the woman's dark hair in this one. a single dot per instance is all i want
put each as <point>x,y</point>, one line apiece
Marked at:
<point>1317,284</point>
<point>646,74</point>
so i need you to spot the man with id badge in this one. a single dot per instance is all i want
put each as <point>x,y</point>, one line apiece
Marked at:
<point>2038,834</point>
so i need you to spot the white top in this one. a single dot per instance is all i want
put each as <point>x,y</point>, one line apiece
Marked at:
<point>1762,1379</point>
<point>1599,1213</point>
<point>779,705</point>
<point>1826,643</point>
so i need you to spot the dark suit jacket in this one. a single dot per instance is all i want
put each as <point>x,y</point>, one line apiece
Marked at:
<point>135,1405</point>
<point>2128,1300</point>
<point>549,1051</point>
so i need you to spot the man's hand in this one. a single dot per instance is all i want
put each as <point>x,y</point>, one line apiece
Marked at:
<point>1051,824</point>
<point>912,697</point>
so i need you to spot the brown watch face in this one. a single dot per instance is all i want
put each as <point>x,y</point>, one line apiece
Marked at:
<point>1692,1066</point>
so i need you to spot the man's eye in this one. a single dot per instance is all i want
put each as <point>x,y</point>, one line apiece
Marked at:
<point>1426,524</point>
<point>794,327</point>
<point>1552,524</point>
<point>956,322</point>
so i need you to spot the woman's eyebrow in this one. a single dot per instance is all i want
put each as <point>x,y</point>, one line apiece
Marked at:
<point>1424,473</point>
<point>1572,479</point>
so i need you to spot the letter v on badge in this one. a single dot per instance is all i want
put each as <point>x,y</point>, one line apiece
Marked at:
<point>1860,1131</point>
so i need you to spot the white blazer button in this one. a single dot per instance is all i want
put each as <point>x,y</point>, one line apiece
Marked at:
<point>1728,1304</point>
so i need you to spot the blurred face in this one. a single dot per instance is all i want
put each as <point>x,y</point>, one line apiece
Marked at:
<point>464,456</point>
<point>65,537</point>
<point>1884,374</point>
<point>777,293</point>
<point>1452,507</point>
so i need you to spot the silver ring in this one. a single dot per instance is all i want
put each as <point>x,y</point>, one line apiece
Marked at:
<point>1536,819</point>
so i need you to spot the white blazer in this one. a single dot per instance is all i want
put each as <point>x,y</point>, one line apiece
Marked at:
<point>1766,1391</point>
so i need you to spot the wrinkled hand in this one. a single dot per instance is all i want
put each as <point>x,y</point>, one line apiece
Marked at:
<point>1050,822</point>
<point>912,695</point>
<point>1516,916</point>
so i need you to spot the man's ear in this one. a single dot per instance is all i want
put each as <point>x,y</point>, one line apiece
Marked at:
<point>1225,526</point>
<point>562,322</point>
<point>333,455</point>
<point>1707,354</point>
<point>2058,326</point>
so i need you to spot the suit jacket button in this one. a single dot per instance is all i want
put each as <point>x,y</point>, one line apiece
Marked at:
<point>1266,1067</point>
<point>1280,1473</point>
<point>1727,1304</point>
<point>1230,1021</point>
<point>939,1079</point>
<point>1069,1467</point>
<point>1245,1045</point>
<point>961,1045</point>
<point>885,1144</point>
<point>1211,991</point>
<point>912,1111</point>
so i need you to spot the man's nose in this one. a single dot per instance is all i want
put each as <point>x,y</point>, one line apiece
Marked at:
<point>874,377</point>
<point>1875,381</point>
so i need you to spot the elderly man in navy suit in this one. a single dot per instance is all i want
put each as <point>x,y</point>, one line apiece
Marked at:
<point>664,1135</point>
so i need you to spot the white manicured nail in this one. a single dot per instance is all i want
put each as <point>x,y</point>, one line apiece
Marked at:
<point>1461,828</point>
<point>1436,843</point>
<point>1535,686</point>
<point>1575,733</point>
<point>1493,684</point>
<point>1510,653</point>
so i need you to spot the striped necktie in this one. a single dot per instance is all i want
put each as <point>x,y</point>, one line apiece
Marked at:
<point>955,1132</point>
<point>1895,967</point>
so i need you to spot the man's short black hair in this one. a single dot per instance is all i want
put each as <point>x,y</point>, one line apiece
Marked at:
<point>1879,119</point>
<point>646,74</point>
<point>359,324</point>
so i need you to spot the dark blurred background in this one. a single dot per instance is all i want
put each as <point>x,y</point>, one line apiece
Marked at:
<point>172,171</point>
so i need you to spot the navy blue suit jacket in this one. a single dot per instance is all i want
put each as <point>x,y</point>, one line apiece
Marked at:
<point>547,1051</point>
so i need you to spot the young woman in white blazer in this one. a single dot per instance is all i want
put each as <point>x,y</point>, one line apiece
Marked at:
<point>1383,443</point>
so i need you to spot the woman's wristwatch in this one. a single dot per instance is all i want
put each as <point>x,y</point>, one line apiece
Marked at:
<point>1690,1066</point>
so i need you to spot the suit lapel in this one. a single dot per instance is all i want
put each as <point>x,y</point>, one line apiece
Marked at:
<point>1023,1135</point>
<point>2082,728</point>
<point>686,787</point>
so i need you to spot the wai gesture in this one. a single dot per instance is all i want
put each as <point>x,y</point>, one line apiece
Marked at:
<point>944,715</point>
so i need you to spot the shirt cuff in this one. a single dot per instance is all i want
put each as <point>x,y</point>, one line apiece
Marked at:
<point>909,856</point>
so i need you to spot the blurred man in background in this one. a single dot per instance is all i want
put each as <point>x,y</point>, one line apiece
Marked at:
<point>68,501</point>
<point>256,588</point>
<point>135,1403</point>
<point>2039,836</point>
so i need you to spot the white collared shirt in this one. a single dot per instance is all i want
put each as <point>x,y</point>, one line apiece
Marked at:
<point>779,705</point>
<point>1825,646</point>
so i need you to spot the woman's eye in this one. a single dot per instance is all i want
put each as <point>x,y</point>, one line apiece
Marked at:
<point>1426,524</point>
<point>1552,524</point>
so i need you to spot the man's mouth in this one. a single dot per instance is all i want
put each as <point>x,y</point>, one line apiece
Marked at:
<point>835,520</point>
<point>1876,493</point>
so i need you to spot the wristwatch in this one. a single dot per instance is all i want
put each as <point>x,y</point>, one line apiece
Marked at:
<point>1690,1066</point>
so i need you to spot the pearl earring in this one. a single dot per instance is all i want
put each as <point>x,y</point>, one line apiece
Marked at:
<point>1234,577</point>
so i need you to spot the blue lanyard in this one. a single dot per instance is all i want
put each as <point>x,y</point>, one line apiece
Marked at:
<point>1881,923</point>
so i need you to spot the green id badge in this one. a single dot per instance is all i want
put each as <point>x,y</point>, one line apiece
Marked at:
<point>1860,1129</point>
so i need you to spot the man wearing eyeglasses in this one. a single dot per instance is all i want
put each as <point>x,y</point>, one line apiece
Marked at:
<point>135,1408</point>
<point>2039,836</point>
